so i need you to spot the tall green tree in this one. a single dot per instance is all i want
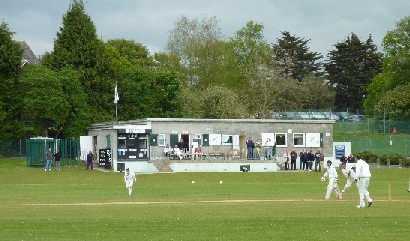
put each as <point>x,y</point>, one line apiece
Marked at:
<point>10,64</point>
<point>134,52</point>
<point>247,56</point>
<point>77,109</point>
<point>395,104</point>
<point>214,102</point>
<point>78,47</point>
<point>396,71</point>
<point>199,47</point>
<point>351,68</point>
<point>145,93</point>
<point>43,101</point>
<point>293,56</point>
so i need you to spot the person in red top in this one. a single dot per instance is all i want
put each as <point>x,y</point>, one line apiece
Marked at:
<point>198,152</point>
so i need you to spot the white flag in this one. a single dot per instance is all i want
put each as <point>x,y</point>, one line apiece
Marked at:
<point>116,96</point>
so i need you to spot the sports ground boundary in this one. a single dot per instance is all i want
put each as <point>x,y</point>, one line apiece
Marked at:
<point>193,202</point>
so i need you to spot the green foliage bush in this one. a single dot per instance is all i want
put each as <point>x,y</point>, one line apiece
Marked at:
<point>406,162</point>
<point>394,158</point>
<point>368,156</point>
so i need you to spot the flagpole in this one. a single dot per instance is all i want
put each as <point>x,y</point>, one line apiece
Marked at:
<point>116,98</point>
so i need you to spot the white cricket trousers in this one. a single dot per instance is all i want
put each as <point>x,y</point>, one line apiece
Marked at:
<point>128,185</point>
<point>362,185</point>
<point>332,186</point>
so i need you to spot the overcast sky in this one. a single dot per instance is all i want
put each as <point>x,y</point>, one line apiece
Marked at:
<point>324,22</point>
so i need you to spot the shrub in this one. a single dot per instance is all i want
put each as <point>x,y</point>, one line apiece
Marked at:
<point>406,162</point>
<point>394,158</point>
<point>368,156</point>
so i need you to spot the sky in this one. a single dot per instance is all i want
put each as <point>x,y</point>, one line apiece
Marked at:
<point>323,22</point>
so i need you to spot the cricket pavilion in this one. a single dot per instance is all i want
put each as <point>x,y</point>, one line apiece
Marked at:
<point>139,144</point>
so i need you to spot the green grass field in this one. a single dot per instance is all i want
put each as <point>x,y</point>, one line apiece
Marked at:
<point>75,204</point>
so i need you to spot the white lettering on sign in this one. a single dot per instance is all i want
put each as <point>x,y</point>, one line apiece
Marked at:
<point>135,130</point>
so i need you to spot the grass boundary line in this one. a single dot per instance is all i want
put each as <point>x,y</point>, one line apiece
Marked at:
<point>191,202</point>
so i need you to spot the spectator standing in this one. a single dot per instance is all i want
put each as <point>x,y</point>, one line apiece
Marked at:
<point>343,159</point>
<point>268,149</point>
<point>309,158</point>
<point>258,145</point>
<point>49,160</point>
<point>301,161</point>
<point>362,179</point>
<point>286,159</point>
<point>182,145</point>
<point>90,160</point>
<point>57,158</point>
<point>305,160</point>
<point>274,149</point>
<point>293,157</point>
<point>317,161</point>
<point>249,148</point>
<point>322,160</point>
<point>351,159</point>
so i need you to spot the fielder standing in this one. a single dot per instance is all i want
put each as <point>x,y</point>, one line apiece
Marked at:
<point>129,179</point>
<point>332,186</point>
<point>362,179</point>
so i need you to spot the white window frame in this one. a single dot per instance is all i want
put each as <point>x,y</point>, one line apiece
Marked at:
<point>303,138</point>
<point>227,137</point>
<point>286,139</point>
<point>161,138</point>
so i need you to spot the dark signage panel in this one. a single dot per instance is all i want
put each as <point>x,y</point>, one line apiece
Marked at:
<point>105,158</point>
<point>132,146</point>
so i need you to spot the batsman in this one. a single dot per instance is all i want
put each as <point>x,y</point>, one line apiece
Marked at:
<point>332,186</point>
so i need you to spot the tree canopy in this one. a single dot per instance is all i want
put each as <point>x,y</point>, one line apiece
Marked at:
<point>203,75</point>
<point>78,47</point>
<point>351,68</point>
<point>10,64</point>
<point>293,56</point>
<point>395,76</point>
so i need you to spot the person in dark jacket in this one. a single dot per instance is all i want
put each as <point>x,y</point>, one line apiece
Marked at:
<point>310,160</point>
<point>57,158</point>
<point>249,147</point>
<point>293,157</point>
<point>317,161</point>
<point>90,159</point>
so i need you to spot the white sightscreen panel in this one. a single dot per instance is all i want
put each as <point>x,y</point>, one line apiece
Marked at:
<point>215,139</point>
<point>312,139</point>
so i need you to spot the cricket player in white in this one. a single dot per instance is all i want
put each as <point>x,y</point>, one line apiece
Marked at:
<point>363,176</point>
<point>348,170</point>
<point>129,178</point>
<point>332,186</point>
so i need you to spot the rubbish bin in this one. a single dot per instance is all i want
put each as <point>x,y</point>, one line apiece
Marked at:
<point>120,167</point>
